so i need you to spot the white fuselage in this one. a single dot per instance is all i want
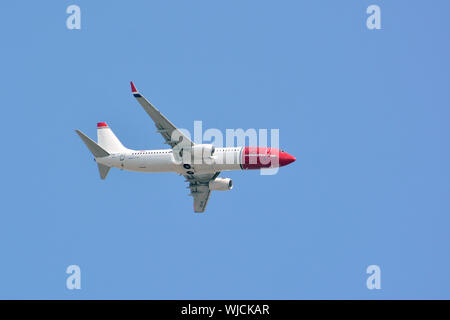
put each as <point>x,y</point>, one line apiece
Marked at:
<point>224,159</point>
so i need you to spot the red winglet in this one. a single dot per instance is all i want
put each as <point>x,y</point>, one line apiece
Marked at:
<point>101,125</point>
<point>133,88</point>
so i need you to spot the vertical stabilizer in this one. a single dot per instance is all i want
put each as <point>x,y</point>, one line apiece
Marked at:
<point>108,140</point>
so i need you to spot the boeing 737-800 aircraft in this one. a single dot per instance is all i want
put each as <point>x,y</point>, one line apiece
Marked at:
<point>200,164</point>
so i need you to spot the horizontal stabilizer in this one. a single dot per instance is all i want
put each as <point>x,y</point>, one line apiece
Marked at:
<point>96,150</point>
<point>103,170</point>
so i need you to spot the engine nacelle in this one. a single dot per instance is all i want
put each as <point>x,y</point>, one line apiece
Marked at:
<point>221,184</point>
<point>202,153</point>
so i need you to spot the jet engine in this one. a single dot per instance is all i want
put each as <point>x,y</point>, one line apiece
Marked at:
<point>202,153</point>
<point>221,184</point>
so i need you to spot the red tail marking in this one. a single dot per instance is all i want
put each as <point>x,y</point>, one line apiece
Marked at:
<point>133,88</point>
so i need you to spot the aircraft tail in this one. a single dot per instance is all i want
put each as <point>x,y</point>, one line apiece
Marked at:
<point>97,151</point>
<point>108,140</point>
<point>103,170</point>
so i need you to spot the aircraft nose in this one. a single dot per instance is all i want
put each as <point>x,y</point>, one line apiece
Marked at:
<point>286,158</point>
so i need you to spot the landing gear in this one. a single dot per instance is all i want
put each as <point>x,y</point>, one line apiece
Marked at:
<point>187,166</point>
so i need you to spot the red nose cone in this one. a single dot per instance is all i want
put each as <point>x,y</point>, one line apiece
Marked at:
<point>286,158</point>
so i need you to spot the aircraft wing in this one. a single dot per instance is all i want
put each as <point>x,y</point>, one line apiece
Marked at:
<point>164,126</point>
<point>201,197</point>
<point>199,185</point>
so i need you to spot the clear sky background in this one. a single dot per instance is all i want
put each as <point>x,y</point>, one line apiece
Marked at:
<point>365,113</point>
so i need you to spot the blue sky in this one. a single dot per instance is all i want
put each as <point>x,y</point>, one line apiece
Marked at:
<point>364,112</point>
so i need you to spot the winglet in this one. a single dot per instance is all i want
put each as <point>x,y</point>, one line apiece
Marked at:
<point>133,88</point>
<point>136,94</point>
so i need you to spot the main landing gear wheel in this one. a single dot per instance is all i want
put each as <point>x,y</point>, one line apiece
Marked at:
<point>187,166</point>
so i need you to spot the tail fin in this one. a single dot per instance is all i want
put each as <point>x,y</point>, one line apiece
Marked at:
<point>108,140</point>
<point>96,150</point>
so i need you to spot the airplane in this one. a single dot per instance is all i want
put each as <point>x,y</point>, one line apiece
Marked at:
<point>202,176</point>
